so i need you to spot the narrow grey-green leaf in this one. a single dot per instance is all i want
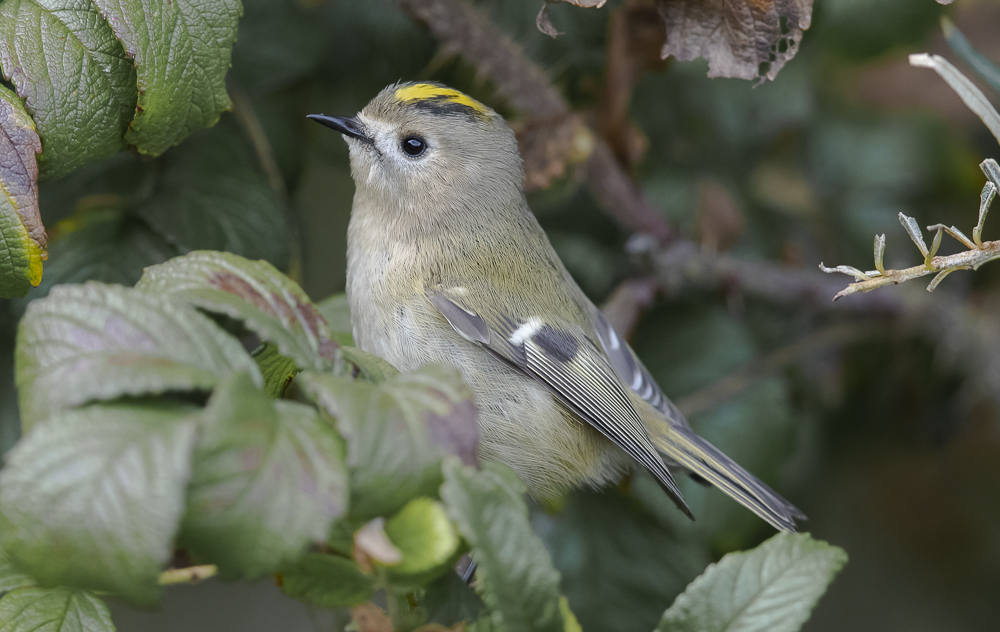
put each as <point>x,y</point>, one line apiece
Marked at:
<point>268,302</point>
<point>268,481</point>
<point>519,584</point>
<point>969,92</point>
<point>772,588</point>
<point>979,62</point>
<point>98,342</point>
<point>78,85</point>
<point>53,610</point>
<point>182,52</point>
<point>327,581</point>
<point>397,431</point>
<point>92,497</point>
<point>22,236</point>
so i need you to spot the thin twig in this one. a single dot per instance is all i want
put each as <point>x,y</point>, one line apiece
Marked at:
<point>189,575</point>
<point>967,260</point>
<point>717,392</point>
<point>247,117</point>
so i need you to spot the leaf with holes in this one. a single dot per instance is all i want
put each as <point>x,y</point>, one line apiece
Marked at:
<point>92,497</point>
<point>772,588</point>
<point>397,431</point>
<point>743,39</point>
<point>53,610</point>
<point>269,303</point>
<point>182,52</point>
<point>268,481</point>
<point>78,85</point>
<point>99,342</point>
<point>22,236</point>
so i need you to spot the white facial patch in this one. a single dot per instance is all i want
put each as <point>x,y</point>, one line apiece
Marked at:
<point>526,331</point>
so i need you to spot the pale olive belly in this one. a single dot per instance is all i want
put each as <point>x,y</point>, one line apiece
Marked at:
<point>521,424</point>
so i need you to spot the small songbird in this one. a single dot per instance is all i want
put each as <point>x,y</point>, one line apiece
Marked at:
<point>447,264</point>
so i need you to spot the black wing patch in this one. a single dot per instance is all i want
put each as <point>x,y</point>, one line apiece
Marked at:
<point>574,370</point>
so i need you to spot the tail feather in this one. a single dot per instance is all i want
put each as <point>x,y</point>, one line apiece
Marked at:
<point>701,458</point>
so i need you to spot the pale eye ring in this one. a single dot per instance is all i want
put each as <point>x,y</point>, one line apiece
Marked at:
<point>414,146</point>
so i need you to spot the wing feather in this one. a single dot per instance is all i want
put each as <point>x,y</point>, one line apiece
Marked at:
<point>568,364</point>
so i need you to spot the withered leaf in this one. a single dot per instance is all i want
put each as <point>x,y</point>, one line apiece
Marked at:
<point>547,146</point>
<point>743,39</point>
<point>544,24</point>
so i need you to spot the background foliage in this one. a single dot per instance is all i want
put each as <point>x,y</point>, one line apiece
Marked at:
<point>879,423</point>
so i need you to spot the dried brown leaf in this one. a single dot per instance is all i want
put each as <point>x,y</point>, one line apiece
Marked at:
<point>744,39</point>
<point>372,543</point>
<point>548,146</point>
<point>635,39</point>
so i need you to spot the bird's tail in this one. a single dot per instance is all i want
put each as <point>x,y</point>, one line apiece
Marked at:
<point>681,445</point>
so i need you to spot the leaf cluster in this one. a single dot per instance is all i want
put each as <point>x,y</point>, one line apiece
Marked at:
<point>208,414</point>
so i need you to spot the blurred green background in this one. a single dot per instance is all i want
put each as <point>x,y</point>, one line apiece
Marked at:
<point>880,430</point>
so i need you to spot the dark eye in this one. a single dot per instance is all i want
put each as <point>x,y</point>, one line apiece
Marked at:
<point>413,146</point>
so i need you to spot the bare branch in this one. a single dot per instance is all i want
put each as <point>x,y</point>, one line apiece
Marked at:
<point>978,252</point>
<point>462,29</point>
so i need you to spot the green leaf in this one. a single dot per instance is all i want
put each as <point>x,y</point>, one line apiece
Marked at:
<point>276,369</point>
<point>182,52</point>
<point>620,567</point>
<point>449,600</point>
<point>22,236</point>
<point>772,588</point>
<point>424,534</point>
<point>11,576</point>
<point>53,610</point>
<point>99,244</point>
<point>337,312</point>
<point>396,432</point>
<point>372,367</point>
<point>268,480</point>
<point>268,302</point>
<point>78,85</point>
<point>520,586</point>
<point>92,497</point>
<point>210,194</point>
<point>98,342</point>
<point>327,581</point>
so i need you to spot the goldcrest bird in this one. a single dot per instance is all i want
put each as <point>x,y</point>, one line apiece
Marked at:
<point>447,264</point>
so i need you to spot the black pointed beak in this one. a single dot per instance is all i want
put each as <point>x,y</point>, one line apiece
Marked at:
<point>346,125</point>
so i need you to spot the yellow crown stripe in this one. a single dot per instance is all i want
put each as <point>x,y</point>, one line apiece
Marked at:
<point>429,91</point>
